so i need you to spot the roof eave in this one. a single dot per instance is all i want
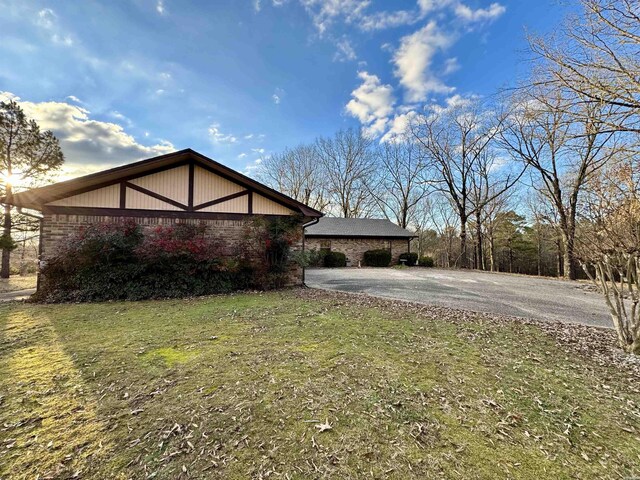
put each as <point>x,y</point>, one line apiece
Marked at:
<point>37,197</point>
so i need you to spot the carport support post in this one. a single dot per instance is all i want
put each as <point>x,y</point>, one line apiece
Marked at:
<point>304,237</point>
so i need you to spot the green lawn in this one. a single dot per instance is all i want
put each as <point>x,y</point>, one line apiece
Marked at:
<point>303,384</point>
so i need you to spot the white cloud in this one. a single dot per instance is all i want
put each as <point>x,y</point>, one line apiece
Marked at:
<point>220,138</point>
<point>46,18</point>
<point>278,95</point>
<point>451,65</point>
<point>257,5</point>
<point>252,167</point>
<point>345,51</point>
<point>414,58</point>
<point>249,136</point>
<point>64,40</point>
<point>75,99</point>
<point>481,14</point>
<point>160,8</point>
<point>242,155</point>
<point>428,6</point>
<point>384,20</point>
<point>371,103</point>
<point>88,145</point>
<point>325,12</point>
<point>258,150</point>
<point>399,126</point>
<point>48,21</point>
<point>120,117</point>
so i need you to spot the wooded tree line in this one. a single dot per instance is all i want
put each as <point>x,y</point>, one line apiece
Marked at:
<point>494,183</point>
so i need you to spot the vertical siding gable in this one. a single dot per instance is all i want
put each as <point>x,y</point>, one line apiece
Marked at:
<point>208,186</point>
<point>235,205</point>
<point>173,183</point>
<point>263,205</point>
<point>106,197</point>
<point>141,201</point>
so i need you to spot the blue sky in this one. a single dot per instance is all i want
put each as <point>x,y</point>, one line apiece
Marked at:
<point>237,79</point>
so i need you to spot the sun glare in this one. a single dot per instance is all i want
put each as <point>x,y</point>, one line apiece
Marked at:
<point>13,179</point>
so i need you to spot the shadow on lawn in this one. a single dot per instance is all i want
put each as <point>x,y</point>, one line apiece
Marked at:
<point>51,427</point>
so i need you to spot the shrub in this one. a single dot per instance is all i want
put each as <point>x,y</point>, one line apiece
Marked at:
<point>377,258</point>
<point>426,262</point>
<point>121,261</point>
<point>309,258</point>
<point>335,259</point>
<point>266,249</point>
<point>410,258</point>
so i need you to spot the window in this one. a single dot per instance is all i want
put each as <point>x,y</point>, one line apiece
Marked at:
<point>325,245</point>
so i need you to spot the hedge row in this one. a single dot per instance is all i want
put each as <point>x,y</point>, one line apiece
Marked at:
<point>121,261</point>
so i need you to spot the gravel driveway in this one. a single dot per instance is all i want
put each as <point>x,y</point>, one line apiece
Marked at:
<point>539,298</point>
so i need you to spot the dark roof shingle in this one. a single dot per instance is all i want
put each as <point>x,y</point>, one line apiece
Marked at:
<point>356,227</point>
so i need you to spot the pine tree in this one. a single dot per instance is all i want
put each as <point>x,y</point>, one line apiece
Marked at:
<point>27,153</point>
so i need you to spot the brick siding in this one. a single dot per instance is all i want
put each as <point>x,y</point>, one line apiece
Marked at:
<point>354,248</point>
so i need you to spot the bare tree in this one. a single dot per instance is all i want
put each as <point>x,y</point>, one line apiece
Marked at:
<point>297,172</point>
<point>610,246</point>
<point>456,141</point>
<point>491,212</point>
<point>598,58</point>
<point>547,229</point>
<point>493,176</point>
<point>445,221</point>
<point>564,141</point>
<point>348,166</point>
<point>401,185</point>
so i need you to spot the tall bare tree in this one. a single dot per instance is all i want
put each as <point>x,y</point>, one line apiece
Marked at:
<point>26,153</point>
<point>493,176</point>
<point>455,140</point>
<point>348,166</point>
<point>444,219</point>
<point>564,141</point>
<point>297,172</point>
<point>492,210</point>
<point>401,186</point>
<point>597,56</point>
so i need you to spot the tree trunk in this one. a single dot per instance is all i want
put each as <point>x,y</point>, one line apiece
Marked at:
<point>559,272</point>
<point>6,232</point>
<point>463,243</point>
<point>480,248</point>
<point>492,252</point>
<point>510,259</point>
<point>539,238</point>
<point>568,260</point>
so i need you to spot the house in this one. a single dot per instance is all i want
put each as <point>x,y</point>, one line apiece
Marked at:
<point>184,186</point>
<point>354,236</point>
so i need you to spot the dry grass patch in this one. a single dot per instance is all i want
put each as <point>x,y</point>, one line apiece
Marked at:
<point>15,283</point>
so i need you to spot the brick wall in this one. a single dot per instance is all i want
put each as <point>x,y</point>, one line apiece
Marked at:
<point>354,248</point>
<point>56,227</point>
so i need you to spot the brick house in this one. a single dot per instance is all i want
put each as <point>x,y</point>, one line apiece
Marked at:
<point>354,236</point>
<point>180,187</point>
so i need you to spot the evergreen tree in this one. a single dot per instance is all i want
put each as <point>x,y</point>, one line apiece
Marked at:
<point>26,153</point>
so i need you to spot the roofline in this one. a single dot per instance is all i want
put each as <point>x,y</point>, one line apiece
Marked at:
<point>394,237</point>
<point>239,177</point>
